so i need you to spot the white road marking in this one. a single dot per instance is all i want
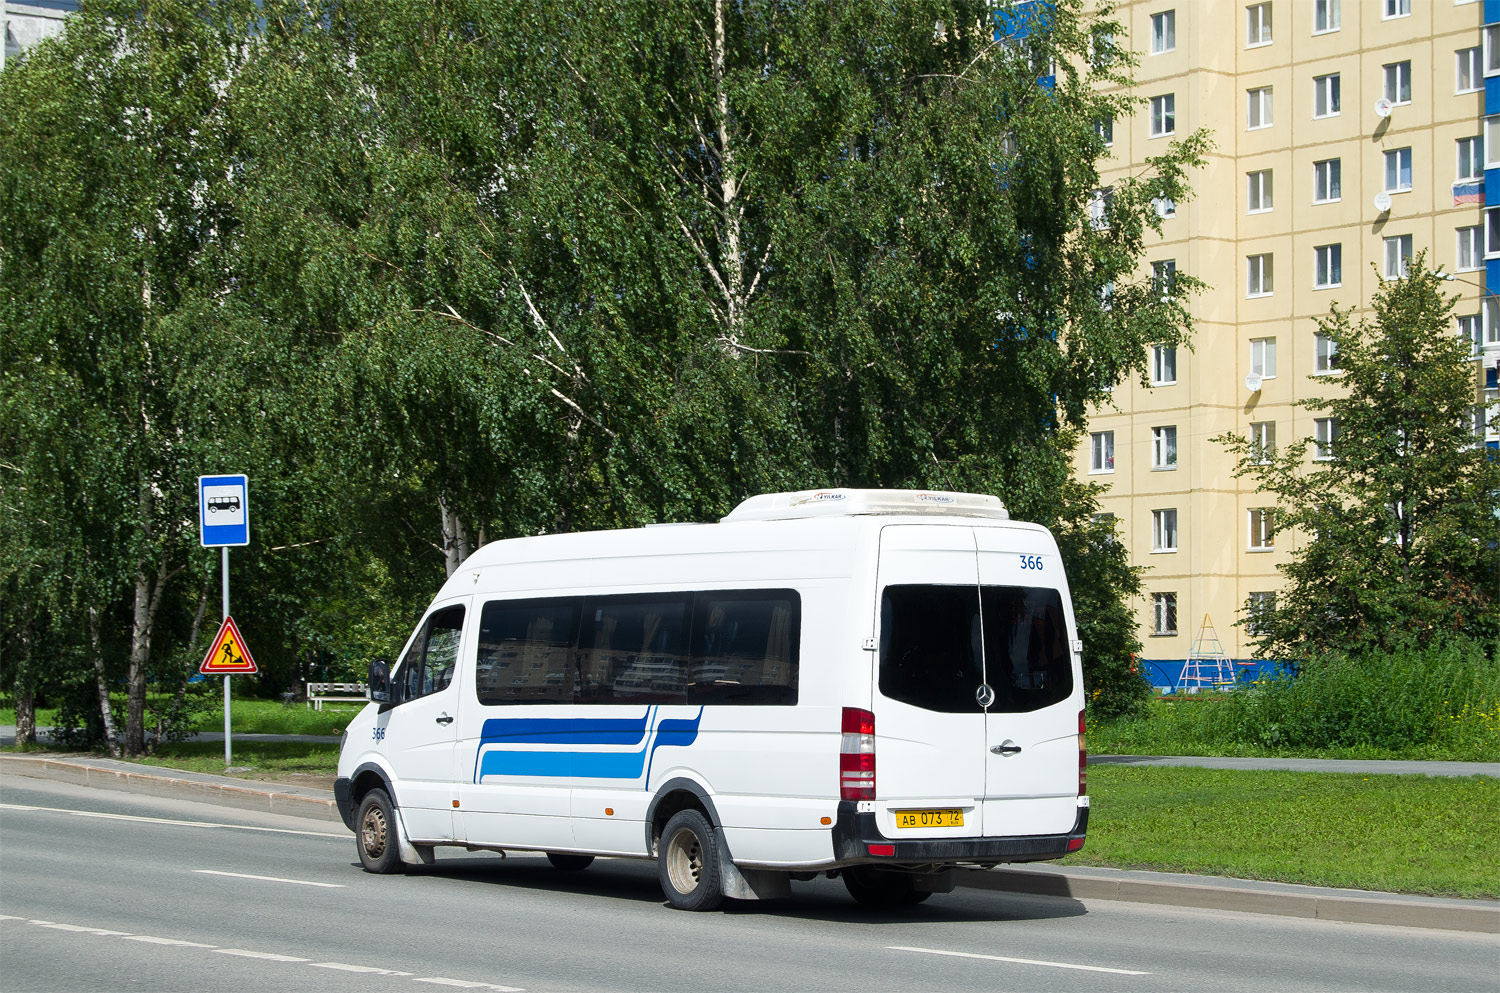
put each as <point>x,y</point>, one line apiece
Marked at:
<point>165,941</point>
<point>169,820</point>
<point>268,956</point>
<point>1003,958</point>
<point>270,879</point>
<point>346,967</point>
<point>85,930</point>
<point>7,917</point>
<point>464,984</point>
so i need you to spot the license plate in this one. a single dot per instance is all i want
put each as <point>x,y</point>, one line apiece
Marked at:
<point>947,817</point>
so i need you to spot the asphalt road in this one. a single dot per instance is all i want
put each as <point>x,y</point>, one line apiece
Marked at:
<point>109,891</point>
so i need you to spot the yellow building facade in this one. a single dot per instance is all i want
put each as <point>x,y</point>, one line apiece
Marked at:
<point>1348,134</point>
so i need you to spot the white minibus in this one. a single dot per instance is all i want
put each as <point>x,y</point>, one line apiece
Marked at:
<point>880,685</point>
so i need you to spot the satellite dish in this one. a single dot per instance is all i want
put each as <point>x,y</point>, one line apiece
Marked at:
<point>1382,201</point>
<point>1383,107</point>
<point>1252,382</point>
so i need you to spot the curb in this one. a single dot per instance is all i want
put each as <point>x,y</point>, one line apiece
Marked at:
<point>1166,889</point>
<point>296,801</point>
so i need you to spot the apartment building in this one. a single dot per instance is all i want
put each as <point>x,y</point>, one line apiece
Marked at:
<point>1350,134</point>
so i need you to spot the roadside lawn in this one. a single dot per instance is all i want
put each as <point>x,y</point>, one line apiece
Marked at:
<point>1432,835</point>
<point>245,715</point>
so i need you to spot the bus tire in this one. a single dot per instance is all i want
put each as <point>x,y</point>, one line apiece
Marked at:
<point>375,834</point>
<point>687,862</point>
<point>569,863</point>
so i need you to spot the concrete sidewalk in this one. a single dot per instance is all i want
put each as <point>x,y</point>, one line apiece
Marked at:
<point>1205,892</point>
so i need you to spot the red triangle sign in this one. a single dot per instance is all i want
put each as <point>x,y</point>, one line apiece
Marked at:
<point>228,656</point>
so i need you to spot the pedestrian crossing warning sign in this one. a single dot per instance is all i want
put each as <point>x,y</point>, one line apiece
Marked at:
<point>228,655</point>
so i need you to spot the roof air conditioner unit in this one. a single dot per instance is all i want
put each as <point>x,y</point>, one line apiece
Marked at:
<point>1252,382</point>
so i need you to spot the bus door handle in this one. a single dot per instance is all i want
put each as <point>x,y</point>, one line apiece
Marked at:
<point>1009,748</point>
<point>445,719</point>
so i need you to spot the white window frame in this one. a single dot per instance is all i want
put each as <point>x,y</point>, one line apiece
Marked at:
<point>1492,142</point>
<point>1260,275</point>
<point>1398,161</point>
<point>1163,615</point>
<point>1164,530</point>
<point>1262,529</point>
<point>1263,357</point>
<point>1395,8</point>
<point>1325,434</point>
<point>1492,232</point>
<point>1163,277</point>
<point>1490,308</point>
<point>1327,96</point>
<point>1099,208</point>
<point>1163,115</point>
<point>1101,452</point>
<point>1165,207</point>
<point>1328,266</point>
<point>1472,150</point>
<point>1325,355</point>
<point>1259,108</point>
<point>1470,253</point>
<point>1398,249</point>
<point>1492,49</point>
<point>1471,332</point>
<point>1163,365</point>
<point>1328,174</point>
<point>1262,442</point>
<point>1468,62</point>
<point>1256,605</point>
<point>1258,25</point>
<point>1394,75</point>
<point>1164,448</point>
<point>1327,16</point>
<point>1105,126</point>
<point>1259,192</point>
<point>1164,32</point>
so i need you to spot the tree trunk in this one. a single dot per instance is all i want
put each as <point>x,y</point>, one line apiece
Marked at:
<point>25,713</point>
<point>457,544</point>
<point>105,710</point>
<point>147,603</point>
<point>166,722</point>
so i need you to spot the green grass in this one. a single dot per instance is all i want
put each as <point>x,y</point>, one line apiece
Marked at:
<point>1432,835</point>
<point>245,715</point>
<point>272,760</point>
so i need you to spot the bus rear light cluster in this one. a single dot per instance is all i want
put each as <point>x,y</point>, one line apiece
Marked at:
<point>1083,759</point>
<point>857,755</point>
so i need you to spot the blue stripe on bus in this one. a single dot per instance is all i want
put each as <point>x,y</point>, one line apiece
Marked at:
<point>577,764</point>
<point>565,730</point>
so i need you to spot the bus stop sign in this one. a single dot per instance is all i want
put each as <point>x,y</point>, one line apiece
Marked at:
<point>223,511</point>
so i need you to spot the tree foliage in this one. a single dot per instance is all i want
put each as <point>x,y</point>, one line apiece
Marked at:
<point>1399,536</point>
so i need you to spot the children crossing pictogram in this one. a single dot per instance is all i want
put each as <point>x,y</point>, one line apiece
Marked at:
<point>228,654</point>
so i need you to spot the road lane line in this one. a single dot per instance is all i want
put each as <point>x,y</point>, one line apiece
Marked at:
<point>168,820</point>
<point>464,984</point>
<point>103,932</point>
<point>268,956</point>
<point>1003,958</point>
<point>165,941</point>
<point>346,967</point>
<point>270,879</point>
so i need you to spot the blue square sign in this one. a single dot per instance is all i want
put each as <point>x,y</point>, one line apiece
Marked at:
<point>223,511</point>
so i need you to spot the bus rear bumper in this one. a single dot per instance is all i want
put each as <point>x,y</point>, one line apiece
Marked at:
<point>857,839</point>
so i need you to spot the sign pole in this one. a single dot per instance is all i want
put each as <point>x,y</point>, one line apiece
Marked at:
<point>228,749</point>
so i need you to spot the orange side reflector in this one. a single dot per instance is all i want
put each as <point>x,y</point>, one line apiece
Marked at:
<point>609,811</point>
<point>826,820</point>
<point>455,803</point>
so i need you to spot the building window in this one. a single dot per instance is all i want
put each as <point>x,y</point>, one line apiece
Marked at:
<point>1398,170</point>
<point>1491,307</point>
<point>1102,451</point>
<point>1469,71</point>
<point>1164,277</point>
<point>1164,611</point>
<point>1492,232</point>
<point>1257,191</point>
<point>1258,608</point>
<point>1262,442</point>
<point>1325,435</point>
<point>1325,16</point>
<point>1263,357</point>
<point>1397,8</point>
<point>1326,95</point>
<point>1257,25</point>
<point>1163,32</point>
<point>1326,181</point>
<point>1164,530</point>
<point>1164,448</point>
<point>1397,255</point>
<point>1469,167</point>
<point>1325,354</point>
<point>1099,205</point>
<point>1258,273</point>
<point>1491,142</point>
<point>1470,255</point>
<point>1258,108</point>
<point>1471,333</point>
<point>1262,528</point>
<point>1163,115</point>
<point>1328,266</point>
<point>1106,129</point>
<point>1165,207</point>
<point>1398,82</point>
<point>1163,365</point>
<point>1491,49</point>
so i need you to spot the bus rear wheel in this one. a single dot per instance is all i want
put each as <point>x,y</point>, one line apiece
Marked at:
<point>687,862</point>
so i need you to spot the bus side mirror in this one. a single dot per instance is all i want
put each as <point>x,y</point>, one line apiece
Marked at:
<point>380,681</point>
